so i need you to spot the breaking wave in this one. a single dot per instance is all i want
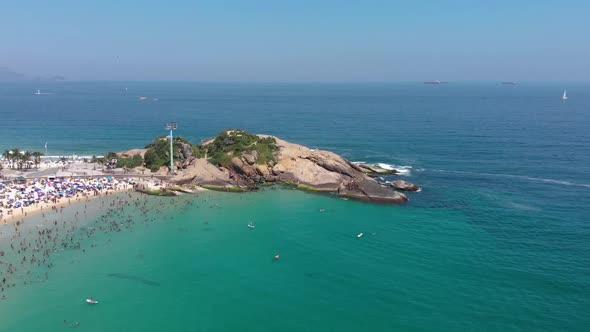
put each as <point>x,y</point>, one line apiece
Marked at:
<point>401,170</point>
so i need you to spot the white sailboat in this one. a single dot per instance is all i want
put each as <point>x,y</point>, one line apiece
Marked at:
<point>38,92</point>
<point>564,97</point>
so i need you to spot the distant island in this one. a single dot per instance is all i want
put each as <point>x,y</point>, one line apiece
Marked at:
<point>9,75</point>
<point>55,78</point>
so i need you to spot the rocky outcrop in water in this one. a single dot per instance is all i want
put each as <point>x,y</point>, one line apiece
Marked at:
<point>404,185</point>
<point>375,170</point>
<point>314,170</point>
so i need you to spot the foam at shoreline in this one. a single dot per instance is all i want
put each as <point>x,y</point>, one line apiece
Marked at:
<point>401,170</point>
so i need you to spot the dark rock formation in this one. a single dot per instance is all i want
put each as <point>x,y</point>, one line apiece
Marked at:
<point>314,170</point>
<point>185,151</point>
<point>404,185</point>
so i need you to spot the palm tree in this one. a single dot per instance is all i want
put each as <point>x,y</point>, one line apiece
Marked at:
<point>15,156</point>
<point>23,159</point>
<point>17,159</point>
<point>27,158</point>
<point>37,158</point>
<point>7,154</point>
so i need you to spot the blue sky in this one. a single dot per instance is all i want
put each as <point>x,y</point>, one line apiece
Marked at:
<point>303,40</point>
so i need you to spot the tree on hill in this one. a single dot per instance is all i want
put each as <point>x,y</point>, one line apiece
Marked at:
<point>226,145</point>
<point>232,143</point>
<point>132,162</point>
<point>158,151</point>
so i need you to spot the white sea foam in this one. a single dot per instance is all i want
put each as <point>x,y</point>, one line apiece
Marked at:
<point>521,177</point>
<point>401,170</point>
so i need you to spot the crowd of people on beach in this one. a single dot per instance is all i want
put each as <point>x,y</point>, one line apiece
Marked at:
<point>21,193</point>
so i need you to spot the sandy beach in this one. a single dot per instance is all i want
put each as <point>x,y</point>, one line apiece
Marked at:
<point>12,208</point>
<point>28,192</point>
<point>17,214</point>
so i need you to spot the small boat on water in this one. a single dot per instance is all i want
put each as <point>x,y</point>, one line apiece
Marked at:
<point>564,97</point>
<point>91,301</point>
<point>142,98</point>
<point>251,224</point>
<point>360,235</point>
<point>38,92</point>
<point>436,82</point>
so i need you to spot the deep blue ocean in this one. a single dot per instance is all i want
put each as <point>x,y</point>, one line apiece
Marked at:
<point>498,239</point>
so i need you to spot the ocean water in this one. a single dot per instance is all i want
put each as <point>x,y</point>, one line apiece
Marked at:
<point>498,239</point>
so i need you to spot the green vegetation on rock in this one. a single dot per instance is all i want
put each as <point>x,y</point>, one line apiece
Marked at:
<point>112,160</point>
<point>199,151</point>
<point>228,144</point>
<point>132,162</point>
<point>233,143</point>
<point>158,151</point>
<point>235,189</point>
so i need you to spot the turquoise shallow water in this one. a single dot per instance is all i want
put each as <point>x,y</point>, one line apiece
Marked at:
<point>497,239</point>
<point>196,265</point>
<point>206,270</point>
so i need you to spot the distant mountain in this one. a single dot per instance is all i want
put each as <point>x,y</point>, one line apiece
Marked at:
<point>10,75</point>
<point>55,78</point>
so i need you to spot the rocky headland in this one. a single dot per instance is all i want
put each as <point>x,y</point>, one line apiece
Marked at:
<point>239,161</point>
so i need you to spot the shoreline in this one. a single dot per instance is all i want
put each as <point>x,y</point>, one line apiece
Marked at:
<point>231,167</point>
<point>19,214</point>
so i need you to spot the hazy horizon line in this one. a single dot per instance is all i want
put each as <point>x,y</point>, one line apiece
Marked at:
<point>443,82</point>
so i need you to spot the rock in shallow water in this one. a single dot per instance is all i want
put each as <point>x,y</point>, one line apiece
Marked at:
<point>404,185</point>
<point>315,170</point>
